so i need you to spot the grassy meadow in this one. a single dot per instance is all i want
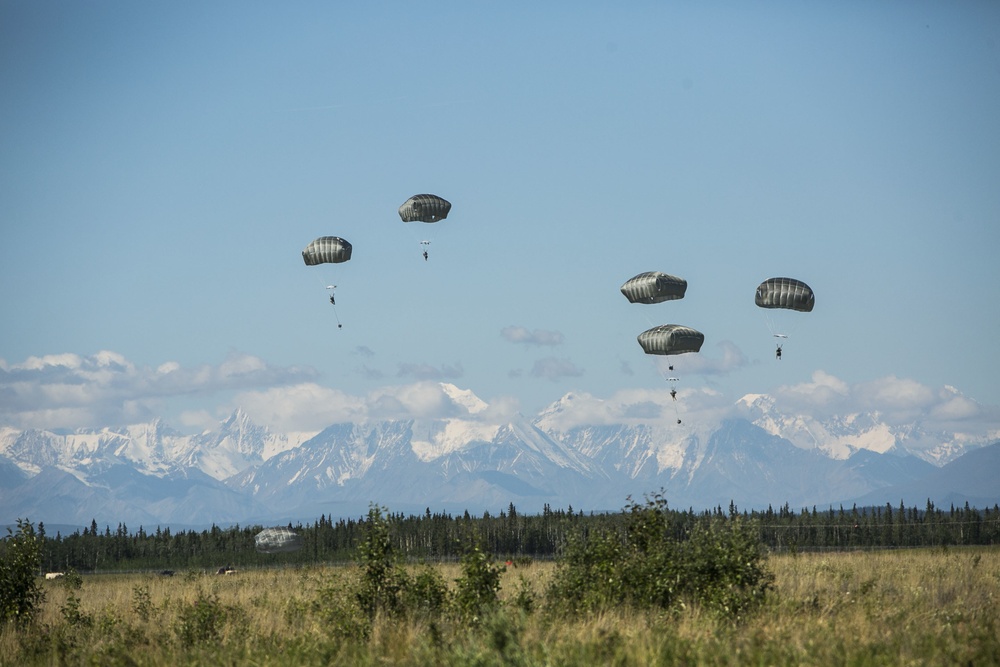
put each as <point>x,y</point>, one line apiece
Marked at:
<point>901,607</point>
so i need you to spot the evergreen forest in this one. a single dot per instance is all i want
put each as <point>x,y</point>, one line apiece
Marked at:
<point>508,535</point>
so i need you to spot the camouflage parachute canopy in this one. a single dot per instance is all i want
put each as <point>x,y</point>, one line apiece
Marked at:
<point>424,208</point>
<point>327,250</point>
<point>785,293</point>
<point>654,287</point>
<point>277,540</point>
<point>671,339</point>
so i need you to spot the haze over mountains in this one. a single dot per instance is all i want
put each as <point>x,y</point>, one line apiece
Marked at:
<point>241,472</point>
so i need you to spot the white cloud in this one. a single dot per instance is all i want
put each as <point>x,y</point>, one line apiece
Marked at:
<point>552,368</point>
<point>516,334</point>
<point>311,407</point>
<point>72,391</point>
<point>654,407</point>
<point>500,409</point>
<point>896,401</point>
<point>955,408</point>
<point>429,372</point>
<point>301,407</point>
<point>701,364</point>
<point>202,420</point>
<point>423,400</point>
<point>168,367</point>
<point>824,396</point>
<point>106,389</point>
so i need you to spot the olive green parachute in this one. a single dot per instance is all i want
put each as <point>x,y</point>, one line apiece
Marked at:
<point>671,339</point>
<point>277,540</point>
<point>786,293</point>
<point>327,250</point>
<point>424,208</point>
<point>654,287</point>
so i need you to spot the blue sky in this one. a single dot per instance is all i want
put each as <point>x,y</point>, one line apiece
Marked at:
<point>163,165</point>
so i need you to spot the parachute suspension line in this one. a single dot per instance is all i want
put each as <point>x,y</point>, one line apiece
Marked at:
<point>327,250</point>
<point>669,376</point>
<point>673,397</point>
<point>781,325</point>
<point>417,230</point>
<point>333,302</point>
<point>784,300</point>
<point>773,324</point>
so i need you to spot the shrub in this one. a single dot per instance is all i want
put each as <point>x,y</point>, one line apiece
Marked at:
<point>659,563</point>
<point>142,603</point>
<point>73,614</point>
<point>524,599</point>
<point>337,610</point>
<point>382,580</point>
<point>72,581</point>
<point>588,575</point>
<point>476,590</point>
<point>201,620</point>
<point>724,567</point>
<point>21,593</point>
<point>426,593</point>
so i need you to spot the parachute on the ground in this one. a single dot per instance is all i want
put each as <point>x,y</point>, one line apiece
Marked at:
<point>671,339</point>
<point>786,293</point>
<point>327,250</point>
<point>277,540</point>
<point>424,208</point>
<point>654,287</point>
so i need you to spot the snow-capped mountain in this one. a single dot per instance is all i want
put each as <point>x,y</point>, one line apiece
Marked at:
<point>840,436</point>
<point>153,449</point>
<point>242,472</point>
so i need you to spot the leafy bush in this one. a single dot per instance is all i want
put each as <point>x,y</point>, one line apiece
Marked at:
<point>426,593</point>
<point>73,614</point>
<point>660,563</point>
<point>524,599</point>
<point>338,611</point>
<point>201,620</point>
<point>589,574</point>
<point>383,581</point>
<point>21,593</point>
<point>71,580</point>
<point>142,603</point>
<point>724,567</point>
<point>477,589</point>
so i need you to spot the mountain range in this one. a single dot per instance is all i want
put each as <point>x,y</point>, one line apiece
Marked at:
<point>241,472</point>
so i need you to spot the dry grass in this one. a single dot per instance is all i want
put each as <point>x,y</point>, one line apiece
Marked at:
<point>864,608</point>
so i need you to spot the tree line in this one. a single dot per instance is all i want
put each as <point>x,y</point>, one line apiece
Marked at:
<point>508,535</point>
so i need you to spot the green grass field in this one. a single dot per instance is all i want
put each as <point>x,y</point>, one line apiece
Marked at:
<point>903,607</point>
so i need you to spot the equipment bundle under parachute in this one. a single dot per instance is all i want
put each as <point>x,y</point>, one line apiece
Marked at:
<point>654,287</point>
<point>277,540</point>
<point>424,208</point>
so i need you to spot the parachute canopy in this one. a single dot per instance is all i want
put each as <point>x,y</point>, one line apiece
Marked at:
<point>424,208</point>
<point>327,250</point>
<point>654,287</point>
<point>671,339</point>
<point>277,540</point>
<point>785,293</point>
